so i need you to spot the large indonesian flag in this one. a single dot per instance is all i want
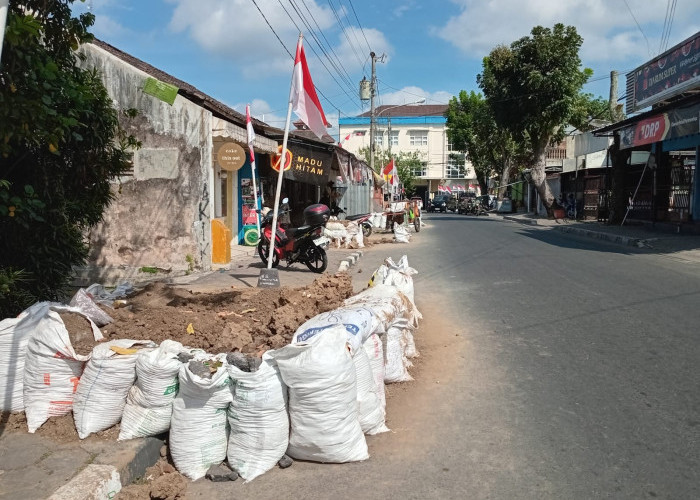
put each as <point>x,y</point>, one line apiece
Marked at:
<point>305,103</point>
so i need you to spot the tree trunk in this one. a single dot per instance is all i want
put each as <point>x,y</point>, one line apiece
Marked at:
<point>539,179</point>
<point>505,179</point>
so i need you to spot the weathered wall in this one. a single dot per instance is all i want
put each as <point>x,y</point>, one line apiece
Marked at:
<point>162,213</point>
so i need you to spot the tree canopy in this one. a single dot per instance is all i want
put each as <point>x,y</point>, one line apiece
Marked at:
<point>62,145</point>
<point>533,88</point>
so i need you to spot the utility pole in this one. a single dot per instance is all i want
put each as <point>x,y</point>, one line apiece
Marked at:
<point>372,92</point>
<point>612,102</point>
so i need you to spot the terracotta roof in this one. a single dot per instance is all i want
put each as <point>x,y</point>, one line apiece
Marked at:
<point>409,110</point>
<point>187,91</point>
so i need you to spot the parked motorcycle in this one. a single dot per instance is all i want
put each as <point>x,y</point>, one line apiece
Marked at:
<point>302,244</point>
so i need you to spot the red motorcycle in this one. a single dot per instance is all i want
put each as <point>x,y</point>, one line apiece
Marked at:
<point>302,244</point>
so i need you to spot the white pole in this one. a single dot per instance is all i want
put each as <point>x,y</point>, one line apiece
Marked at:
<point>281,171</point>
<point>252,170</point>
<point>278,192</point>
<point>3,21</point>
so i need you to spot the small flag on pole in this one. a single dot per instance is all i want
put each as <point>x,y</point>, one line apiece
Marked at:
<point>346,138</point>
<point>305,102</point>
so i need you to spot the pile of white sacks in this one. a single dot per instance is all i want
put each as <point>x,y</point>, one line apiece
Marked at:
<point>314,399</point>
<point>344,233</point>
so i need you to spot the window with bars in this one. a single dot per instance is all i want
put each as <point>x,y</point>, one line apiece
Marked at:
<point>418,138</point>
<point>379,138</point>
<point>421,171</point>
<point>394,138</point>
<point>455,168</point>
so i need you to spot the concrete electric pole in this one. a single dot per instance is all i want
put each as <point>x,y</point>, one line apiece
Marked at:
<point>372,92</point>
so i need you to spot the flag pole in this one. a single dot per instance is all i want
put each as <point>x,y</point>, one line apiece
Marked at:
<point>252,169</point>
<point>283,155</point>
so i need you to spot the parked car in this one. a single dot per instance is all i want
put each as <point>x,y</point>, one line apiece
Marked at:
<point>438,204</point>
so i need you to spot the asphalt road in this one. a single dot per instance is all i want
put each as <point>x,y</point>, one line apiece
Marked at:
<point>552,367</point>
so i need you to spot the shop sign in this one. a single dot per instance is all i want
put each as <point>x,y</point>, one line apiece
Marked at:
<point>309,165</point>
<point>669,125</point>
<point>275,159</point>
<point>230,156</point>
<point>669,74</point>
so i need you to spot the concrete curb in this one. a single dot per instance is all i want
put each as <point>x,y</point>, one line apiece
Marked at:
<point>612,238</point>
<point>532,222</point>
<point>349,261</point>
<point>104,478</point>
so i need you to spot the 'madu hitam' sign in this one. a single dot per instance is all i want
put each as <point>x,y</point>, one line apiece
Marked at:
<point>669,125</point>
<point>309,165</point>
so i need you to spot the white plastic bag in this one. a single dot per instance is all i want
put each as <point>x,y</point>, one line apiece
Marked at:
<point>386,304</point>
<point>198,429</point>
<point>108,376</point>
<point>369,406</point>
<point>149,404</point>
<point>322,399</point>
<point>375,353</point>
<point>52,368</point>
<point>401,234</point>
<point>258,419</point>
<point>410,351</point>
<point>396,362</point>
<point>359,323</point>
<point>14,336</point>
<point>84,302</point>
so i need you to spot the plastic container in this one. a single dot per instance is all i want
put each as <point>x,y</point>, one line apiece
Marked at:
<point>315,215</point>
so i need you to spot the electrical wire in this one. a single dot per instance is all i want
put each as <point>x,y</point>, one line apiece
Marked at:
<point>663,30</point>
<point>287,50</point>
<point>347,78</point>
<point>360,25</point>
<point>342,27</point>
<point>640,28</point>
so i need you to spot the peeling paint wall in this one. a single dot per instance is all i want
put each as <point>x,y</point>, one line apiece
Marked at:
<point>161,214</point>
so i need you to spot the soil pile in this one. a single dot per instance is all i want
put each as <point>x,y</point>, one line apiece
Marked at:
<point>249,320</point>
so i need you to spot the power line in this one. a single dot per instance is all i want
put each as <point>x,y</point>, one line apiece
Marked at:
<point>348,79</point>
<point>640,28</point>
<point>287,50</point>
<point>663,30</point>
<point>359,25</point>
<point>342,27</point>
<point>664,41</point>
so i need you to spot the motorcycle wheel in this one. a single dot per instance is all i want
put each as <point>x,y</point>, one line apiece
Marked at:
<point>317,260</point>
<point>416,223</point>
<point>264,251</point>
<point>366,230</point>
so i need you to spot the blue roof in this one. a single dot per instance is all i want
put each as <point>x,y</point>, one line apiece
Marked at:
<point>399,120</point>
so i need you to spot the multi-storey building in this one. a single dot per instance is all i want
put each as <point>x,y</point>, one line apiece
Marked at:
<point>420,128</point>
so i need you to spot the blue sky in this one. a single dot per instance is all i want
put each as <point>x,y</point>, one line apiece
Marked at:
<point>432,48</point>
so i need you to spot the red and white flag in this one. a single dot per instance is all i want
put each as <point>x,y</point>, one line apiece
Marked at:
<point>390,174</point>
<point>447,189</point>
<point>305,102</point>
<point>251,132</point>
<point>346,138</point>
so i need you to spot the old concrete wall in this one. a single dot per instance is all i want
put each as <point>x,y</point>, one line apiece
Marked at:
<point>161,214</point>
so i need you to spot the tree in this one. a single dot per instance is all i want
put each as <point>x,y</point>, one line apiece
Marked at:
<point>471,127</point>
<point>62,145</point>
<point>532,87</point>
<point>406,165</point>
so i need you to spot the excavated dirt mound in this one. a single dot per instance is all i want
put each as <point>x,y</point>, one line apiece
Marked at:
<point>250,320</point>
<point>161,482</point>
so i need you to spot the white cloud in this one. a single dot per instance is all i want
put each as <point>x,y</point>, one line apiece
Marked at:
<point>236,30</point>
<point>412,94</point>
<point>610,33</point>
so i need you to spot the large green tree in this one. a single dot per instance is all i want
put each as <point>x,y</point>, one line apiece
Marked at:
<point>61,147</point>
<point>491,148</point>
<point>533,87</point>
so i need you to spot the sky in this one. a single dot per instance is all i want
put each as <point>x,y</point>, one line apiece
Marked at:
<point>241,51</point>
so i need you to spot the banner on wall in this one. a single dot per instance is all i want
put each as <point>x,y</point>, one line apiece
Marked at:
<point>308,165</point>
<point>670,125</point>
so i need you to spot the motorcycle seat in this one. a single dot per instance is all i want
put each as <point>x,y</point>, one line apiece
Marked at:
<point>294,230</point>
<point>355,217</point>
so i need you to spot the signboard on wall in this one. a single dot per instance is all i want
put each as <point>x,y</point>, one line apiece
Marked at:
<point>309,165</point>
<point>669,125</point>
<point>670,74</point>
<point>230,156</point>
